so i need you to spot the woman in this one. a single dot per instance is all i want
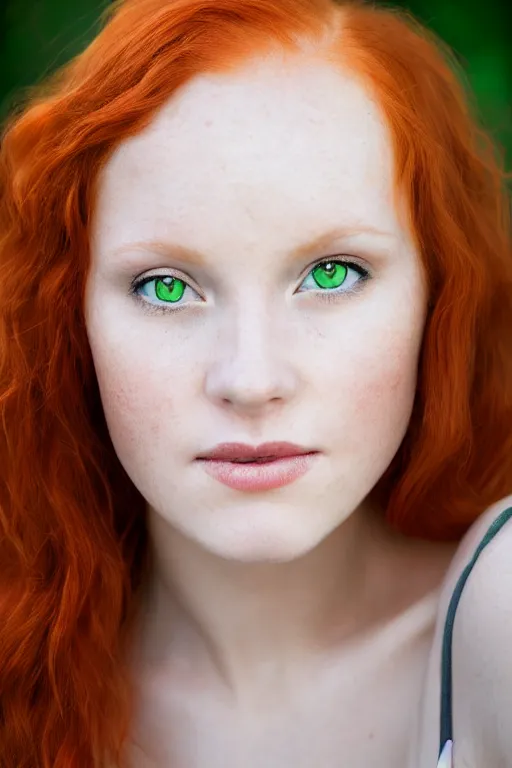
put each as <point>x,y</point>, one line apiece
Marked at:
<point>255,308</point>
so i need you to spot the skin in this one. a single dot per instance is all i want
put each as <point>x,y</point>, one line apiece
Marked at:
<point>263,608</point>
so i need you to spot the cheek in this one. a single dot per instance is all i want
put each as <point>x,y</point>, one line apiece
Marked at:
<point>388,377</point>
<point>382,401</point>
<point>384,405</point>
<point>138,399</point>
<point>371,386</point>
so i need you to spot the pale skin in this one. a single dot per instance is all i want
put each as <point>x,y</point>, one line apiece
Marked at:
<point>289,627</point>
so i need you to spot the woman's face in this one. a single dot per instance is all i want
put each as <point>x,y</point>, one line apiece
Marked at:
<point>238,189</point>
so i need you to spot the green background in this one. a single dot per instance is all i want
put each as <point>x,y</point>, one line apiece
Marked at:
<point>38,35</point>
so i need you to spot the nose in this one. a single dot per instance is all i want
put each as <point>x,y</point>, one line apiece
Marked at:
<point>251,371</point>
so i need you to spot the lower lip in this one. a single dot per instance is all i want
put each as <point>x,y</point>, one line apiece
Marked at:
<point>259,476</point>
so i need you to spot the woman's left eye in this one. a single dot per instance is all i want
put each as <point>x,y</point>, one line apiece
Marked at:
<point>336,276</point>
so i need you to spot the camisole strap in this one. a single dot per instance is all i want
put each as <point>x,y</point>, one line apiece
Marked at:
<point>446,724</point>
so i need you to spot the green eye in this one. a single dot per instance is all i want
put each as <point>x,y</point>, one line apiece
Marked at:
<point>167,289</point>
<point>163,293</point>
<point>330,274</point>
<point>335,278</point>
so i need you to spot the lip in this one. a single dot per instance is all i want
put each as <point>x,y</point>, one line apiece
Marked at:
<point>286,463</point>
<point>233,451</point>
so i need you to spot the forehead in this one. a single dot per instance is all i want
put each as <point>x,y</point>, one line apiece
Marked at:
<point>282,140</point>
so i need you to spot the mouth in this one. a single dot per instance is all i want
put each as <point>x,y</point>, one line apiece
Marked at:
<point>259,468</point>
<point>240,453</point>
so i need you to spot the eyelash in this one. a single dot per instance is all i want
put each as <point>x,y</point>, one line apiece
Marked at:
<point>329,296</point>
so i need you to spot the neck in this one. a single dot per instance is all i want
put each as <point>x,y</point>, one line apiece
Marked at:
<point>253,625</point>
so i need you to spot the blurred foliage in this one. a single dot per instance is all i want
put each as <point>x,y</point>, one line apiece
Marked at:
<point>38,35</point>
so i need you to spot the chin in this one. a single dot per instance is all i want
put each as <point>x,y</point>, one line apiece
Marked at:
<point>255,543</point>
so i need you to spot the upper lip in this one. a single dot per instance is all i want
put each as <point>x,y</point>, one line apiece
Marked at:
<point>233,451</point>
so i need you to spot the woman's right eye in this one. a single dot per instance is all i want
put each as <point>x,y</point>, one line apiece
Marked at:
<point>162,293</point>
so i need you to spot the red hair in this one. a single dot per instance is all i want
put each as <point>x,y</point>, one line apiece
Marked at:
<point>73,547</point>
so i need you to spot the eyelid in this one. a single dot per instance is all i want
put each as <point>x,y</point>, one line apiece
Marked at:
<point>345,258</point>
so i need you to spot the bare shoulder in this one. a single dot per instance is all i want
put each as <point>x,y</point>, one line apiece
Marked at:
<point>481,667</point>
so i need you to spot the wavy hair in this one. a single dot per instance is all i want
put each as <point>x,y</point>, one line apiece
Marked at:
<point>73,541</point>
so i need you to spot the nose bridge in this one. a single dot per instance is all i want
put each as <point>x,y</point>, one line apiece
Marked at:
<point>250,364</point>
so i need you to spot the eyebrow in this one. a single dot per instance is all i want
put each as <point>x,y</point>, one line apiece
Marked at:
<point>197,258</point>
